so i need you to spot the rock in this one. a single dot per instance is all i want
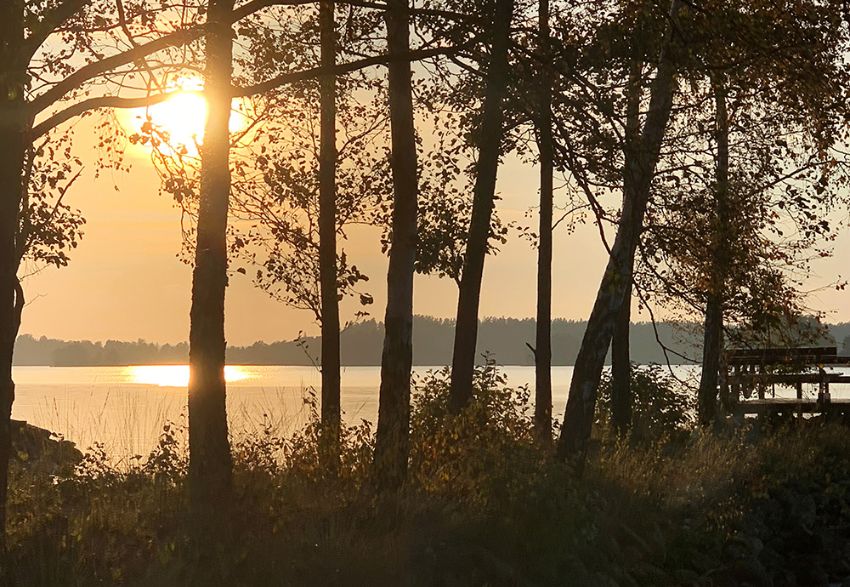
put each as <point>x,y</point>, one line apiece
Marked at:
<point>39,450</point>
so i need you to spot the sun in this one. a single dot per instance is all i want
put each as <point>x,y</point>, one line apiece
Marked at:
<point>182,116</point>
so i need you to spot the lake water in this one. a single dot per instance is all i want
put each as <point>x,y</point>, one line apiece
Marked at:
<point>125,408</point>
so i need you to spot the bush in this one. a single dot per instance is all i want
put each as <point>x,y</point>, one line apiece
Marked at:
<point>662,407</point>
<point>477,455</point>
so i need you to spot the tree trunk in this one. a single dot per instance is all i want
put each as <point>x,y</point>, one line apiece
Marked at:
<point>638,173</point>
<point>489,149</point>
<point>210,467</point>
<point>331,412</point>
<point>543,338</point>
<point>392,441</point>
<point>713,333</point>
<point>14,125</point>
<point>621,369</point>
<point>712,336</point>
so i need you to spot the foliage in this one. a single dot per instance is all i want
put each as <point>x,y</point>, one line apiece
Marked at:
<point>751,506</point>
<point>662,407</point>
<point>464,454</point>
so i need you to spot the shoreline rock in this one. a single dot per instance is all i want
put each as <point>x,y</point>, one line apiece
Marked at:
<point>41,450</point>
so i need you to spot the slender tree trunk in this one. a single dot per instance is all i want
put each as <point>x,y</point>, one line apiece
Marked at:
<point>331,412</point>
<point>713,333</point>
<point>578,418</point>
<point>14,125</point>
<point>543,338</point>
<point>621,369</point>
<point>210,467</point>
<point>489,149</point>
<point>392,441</point>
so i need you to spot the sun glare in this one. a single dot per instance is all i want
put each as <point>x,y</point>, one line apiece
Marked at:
<point>177,375</point>
<point>182,115</point>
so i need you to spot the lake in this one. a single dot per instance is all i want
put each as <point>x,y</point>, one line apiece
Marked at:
<point>125,408</point>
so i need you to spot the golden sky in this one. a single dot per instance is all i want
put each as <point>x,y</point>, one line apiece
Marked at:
<point>125,282</point>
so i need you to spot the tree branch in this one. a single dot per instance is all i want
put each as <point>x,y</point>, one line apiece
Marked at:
<point>87,72</point>
<point>51,21</point>
<point>339,69</point>
<point>238,92</point>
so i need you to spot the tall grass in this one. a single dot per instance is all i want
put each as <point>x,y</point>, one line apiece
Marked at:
<point>483,506</point>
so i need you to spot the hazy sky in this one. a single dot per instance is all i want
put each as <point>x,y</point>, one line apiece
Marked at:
<point>125,281</point>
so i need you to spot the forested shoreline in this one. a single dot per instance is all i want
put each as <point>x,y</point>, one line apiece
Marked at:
<point>504,339</point>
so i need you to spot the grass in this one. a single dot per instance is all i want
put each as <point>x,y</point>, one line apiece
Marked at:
<point>483,506</point>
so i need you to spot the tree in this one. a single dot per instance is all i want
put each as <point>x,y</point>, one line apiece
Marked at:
<point>621,367</point>
<point>638,176</point>
<point>38,80</point>
<point>392,441</point>
<point>13,145</point>
<point>545,147</point>
<point>331,415</point>
<point>748,173</point>
<point>489,140</point>
<point>210,468</point>
<point>712,345</point>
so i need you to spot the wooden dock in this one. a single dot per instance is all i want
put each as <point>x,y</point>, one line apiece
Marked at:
<point>748,380</point>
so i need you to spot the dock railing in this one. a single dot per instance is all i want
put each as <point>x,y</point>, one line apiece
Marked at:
<point>750,373</point>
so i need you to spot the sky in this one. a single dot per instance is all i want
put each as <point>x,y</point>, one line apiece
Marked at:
<point>125,281</point>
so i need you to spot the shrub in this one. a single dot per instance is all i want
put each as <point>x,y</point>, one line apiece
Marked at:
<point>662,407</point>
<point>481,454</point>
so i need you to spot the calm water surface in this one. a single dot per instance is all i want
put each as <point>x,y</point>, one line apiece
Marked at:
<point>125,408</point>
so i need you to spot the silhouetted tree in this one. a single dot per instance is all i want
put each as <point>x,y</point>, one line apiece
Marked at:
<point>327,239</point>
<point>489,142</point>
<point>546,151</point>
<point>621,366</point>
<point>55,94</point>
<point>392,441</point>
<point>638,176</point>
<point>210,464</point>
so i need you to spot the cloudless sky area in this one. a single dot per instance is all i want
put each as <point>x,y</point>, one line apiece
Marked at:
<point>126,282</point>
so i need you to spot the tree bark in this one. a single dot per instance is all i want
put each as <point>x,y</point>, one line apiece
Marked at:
<point>489,149</point>
<point>331,411</point>
<point>621,369</point>
<point>543,334</point>
<point>707,411</point>
<point>210,467</point>
<point>638,173</point>
<point>14,126</point>
<point>392,441</point>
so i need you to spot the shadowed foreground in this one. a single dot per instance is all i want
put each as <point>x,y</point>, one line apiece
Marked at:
<point>760,505</point>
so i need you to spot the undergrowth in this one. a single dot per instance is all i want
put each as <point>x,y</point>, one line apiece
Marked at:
<point>484,505</point>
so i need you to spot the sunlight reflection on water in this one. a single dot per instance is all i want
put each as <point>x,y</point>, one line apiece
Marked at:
<point>178,375</point>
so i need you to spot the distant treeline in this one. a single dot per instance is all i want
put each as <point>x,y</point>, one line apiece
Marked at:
<point>504,338</point>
